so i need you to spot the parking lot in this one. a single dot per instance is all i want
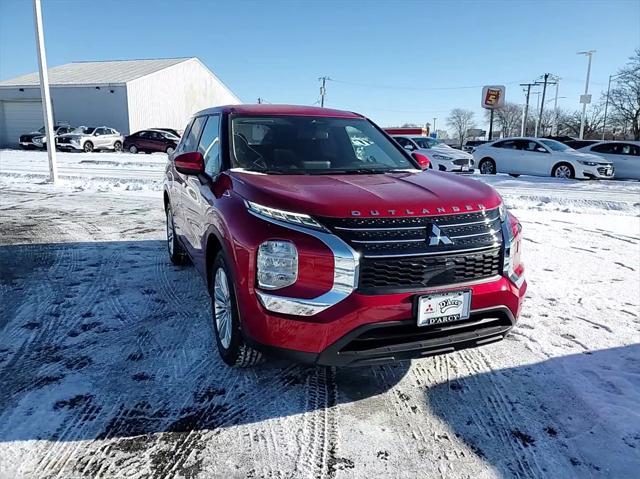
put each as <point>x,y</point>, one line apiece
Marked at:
<point>123,377</point>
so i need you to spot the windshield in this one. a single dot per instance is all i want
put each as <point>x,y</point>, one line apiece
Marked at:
<point>556,145</point>
<point>424,142</point>
<point>313,145</point>
<point>84,130</point>
<point>41,130</point>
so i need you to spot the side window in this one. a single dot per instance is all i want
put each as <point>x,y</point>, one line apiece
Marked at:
<point>210,146</point>
<point>530,145</point>
<point>190,139</point>
<point>508,144</point>
<point>404,143</point>
<point>604,148</point>
<point>627,149</point>
<point>100,131</point>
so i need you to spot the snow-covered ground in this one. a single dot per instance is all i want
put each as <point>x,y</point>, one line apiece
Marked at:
<point>108,366</point>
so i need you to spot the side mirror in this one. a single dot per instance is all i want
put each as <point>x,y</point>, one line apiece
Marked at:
<point>191,163</point>
<point>422,160</point>
<point>539,149</point>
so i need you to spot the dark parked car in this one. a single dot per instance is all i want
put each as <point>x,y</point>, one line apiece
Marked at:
<point>38,139</point>
<point>577,144</point>
<point>471,145</point>
<point>169,130</point>
<point>150,141</point>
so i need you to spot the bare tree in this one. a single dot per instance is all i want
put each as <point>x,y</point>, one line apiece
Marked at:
<point>508,118</point>
<point>461,120</point>
<point>569,122</point>
<point>624,97</point>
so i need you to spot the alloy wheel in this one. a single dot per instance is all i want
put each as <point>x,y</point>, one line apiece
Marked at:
<point>563,171</point>
<point>133,149</point>
<point>486,168</point>
<point>222,306</point>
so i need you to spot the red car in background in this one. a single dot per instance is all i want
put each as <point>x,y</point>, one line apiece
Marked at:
<point>150,141</point>
<point>322,240</point>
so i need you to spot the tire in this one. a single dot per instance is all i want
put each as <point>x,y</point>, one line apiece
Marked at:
<point>169,150</point>
<point>487,166</point>
<point>514,175</point>
<point>117,146</point>
<point>133,149</point>
<point>563,171</point>
<point>87,147</point>
<point>226,321</point>
<point>177,254</point>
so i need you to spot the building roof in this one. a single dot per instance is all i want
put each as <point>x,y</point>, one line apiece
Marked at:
<point>269,109</point>
<point>95,73</point>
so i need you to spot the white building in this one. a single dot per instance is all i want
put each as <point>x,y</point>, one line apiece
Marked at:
<point>128,95</point>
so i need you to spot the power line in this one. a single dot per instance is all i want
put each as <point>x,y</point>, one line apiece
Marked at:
<point>390,87</point>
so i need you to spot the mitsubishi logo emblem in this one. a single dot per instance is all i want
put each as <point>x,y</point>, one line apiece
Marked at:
<point>437,237</point>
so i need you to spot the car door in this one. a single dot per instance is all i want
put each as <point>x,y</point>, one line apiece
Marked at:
<point>535,159</point>
<point>180,187</point>
<point>198,197</point>
<point>506,155</point>
<point>98,138</point>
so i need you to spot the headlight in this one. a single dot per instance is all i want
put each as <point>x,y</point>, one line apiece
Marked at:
<point>286,216</point>
<point>75,140</point>
<point>441,157</point>
<point>588,163</point>
<point>38,140</point>
<point>277,264</point>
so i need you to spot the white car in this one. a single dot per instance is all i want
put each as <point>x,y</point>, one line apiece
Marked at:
<point>442,157</point>
<point>625,156</point>
<point>90,138</point>
<point>539,157</point>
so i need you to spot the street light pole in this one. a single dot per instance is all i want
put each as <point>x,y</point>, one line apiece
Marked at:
<point>585,98</point>
<point>606,106</point>
<point>45,94</point>
<point>434,126</point>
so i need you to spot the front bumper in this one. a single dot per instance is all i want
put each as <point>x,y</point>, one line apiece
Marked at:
<point>390,341</point>
<point>603,171</point>
<point>342,335</point>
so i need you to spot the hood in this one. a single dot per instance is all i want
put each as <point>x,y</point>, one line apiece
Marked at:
<point>32,135</point>
<point>452,152</point>
<point>395,194</point>
<point>579,155</point>
<point>70,135</point>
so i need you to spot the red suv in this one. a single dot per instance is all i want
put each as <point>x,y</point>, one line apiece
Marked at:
<point>322,240</point>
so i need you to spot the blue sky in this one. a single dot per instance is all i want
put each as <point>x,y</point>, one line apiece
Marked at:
<point>395,62</point>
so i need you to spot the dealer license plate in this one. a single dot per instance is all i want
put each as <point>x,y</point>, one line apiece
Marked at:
<point>445,307</point>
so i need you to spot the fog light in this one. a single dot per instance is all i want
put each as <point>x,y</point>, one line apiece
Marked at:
<point>277,264</point>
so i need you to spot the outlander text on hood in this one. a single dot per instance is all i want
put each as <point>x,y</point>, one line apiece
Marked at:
<point>323,240</point>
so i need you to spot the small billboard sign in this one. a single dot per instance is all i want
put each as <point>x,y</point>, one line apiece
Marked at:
<point>493,96</point>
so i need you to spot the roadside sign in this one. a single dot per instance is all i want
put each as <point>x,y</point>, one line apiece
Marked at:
<point>493,96</point>
<point>585,99</point>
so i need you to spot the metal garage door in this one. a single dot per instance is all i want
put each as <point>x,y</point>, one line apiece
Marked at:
<point>18,117</point>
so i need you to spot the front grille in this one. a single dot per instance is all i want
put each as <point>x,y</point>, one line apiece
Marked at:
<point>461,162</point>
<point>407,236</point>
<point>63,140</point>
<point>603,170</point>
<point>414,253</point>
<point>420,272</point>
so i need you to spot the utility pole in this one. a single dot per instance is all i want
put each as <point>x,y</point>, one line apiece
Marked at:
<point>525,111</point>
<point>434,125</point>
<point>554,129</point>
<point>323,89</point>
<point>45,93</point>
<point>544,92</point>
<point>585,99</point>
<point>259,100</point>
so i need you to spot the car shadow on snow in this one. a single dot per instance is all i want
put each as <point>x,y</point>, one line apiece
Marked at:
<point>109,340</point>
<point>569,416</point>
